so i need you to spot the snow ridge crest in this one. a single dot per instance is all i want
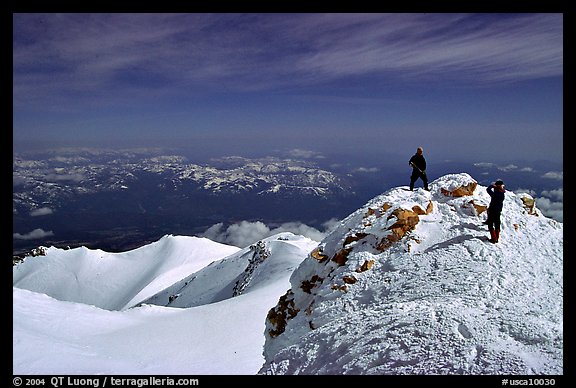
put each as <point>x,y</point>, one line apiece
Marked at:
<point>424,254</point>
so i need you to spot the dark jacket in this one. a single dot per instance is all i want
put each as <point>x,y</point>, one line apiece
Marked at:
<point>497,198</point>
<point>418,161</point>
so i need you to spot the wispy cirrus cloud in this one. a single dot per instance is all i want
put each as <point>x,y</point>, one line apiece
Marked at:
<point>490,46</point>
<point>99,55</point>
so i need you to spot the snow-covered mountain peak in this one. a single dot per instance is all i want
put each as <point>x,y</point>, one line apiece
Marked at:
<point>409,284</point>
<point>258,266</point>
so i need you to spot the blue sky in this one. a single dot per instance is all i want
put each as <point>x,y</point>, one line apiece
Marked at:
<point>484,87</point>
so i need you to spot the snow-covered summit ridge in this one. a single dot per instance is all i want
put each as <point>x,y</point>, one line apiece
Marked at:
<point>409,284</point>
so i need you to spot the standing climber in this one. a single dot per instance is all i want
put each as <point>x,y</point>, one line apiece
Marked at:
<point>496,192</point>
<point>418,164</point>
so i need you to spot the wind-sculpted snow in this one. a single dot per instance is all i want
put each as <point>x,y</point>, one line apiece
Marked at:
<point>409,284</point>
<point>116,281</point>
<point>236,274</point>
<point>215,331</point>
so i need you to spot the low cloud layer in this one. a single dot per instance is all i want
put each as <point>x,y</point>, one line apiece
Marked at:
<point>245,233</point>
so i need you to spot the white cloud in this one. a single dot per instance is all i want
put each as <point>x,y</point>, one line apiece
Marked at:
<point>43,211</point>
<point>551,204</point>
<point>527,191</point>
<point>194,49</point>
<point>331,225</point>
<point>299,228</point>
<point>244,233</point>
<point>508,167</point>
<point>484,164</point>
<point>551,209</point>
<point>304,154</point>
<point>33,235</point>
<point>367,169</point>
<point>554,175</point>
<point>557,194</point>
<point>527,169</point>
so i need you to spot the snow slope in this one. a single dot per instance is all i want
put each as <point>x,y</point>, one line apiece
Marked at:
<point>116,281</point>
<point>440,300</point>
<point>69,336</point>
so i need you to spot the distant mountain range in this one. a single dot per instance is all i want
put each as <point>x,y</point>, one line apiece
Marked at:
<point>41,183</point>
<point>121,199</point>
<point>86,194</point>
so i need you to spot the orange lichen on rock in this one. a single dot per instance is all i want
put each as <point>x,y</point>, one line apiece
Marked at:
<point>479,208</point>
<point>529,204</point>
<point>369,212</point>
<point>418,210</point>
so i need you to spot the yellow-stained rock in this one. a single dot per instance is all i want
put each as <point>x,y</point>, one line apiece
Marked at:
<point>406,220</point>
<point>479,208</point>
<point>460,191</point>
<point>318,255</point>
<point>365,266</point>
<point>529,204</point>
